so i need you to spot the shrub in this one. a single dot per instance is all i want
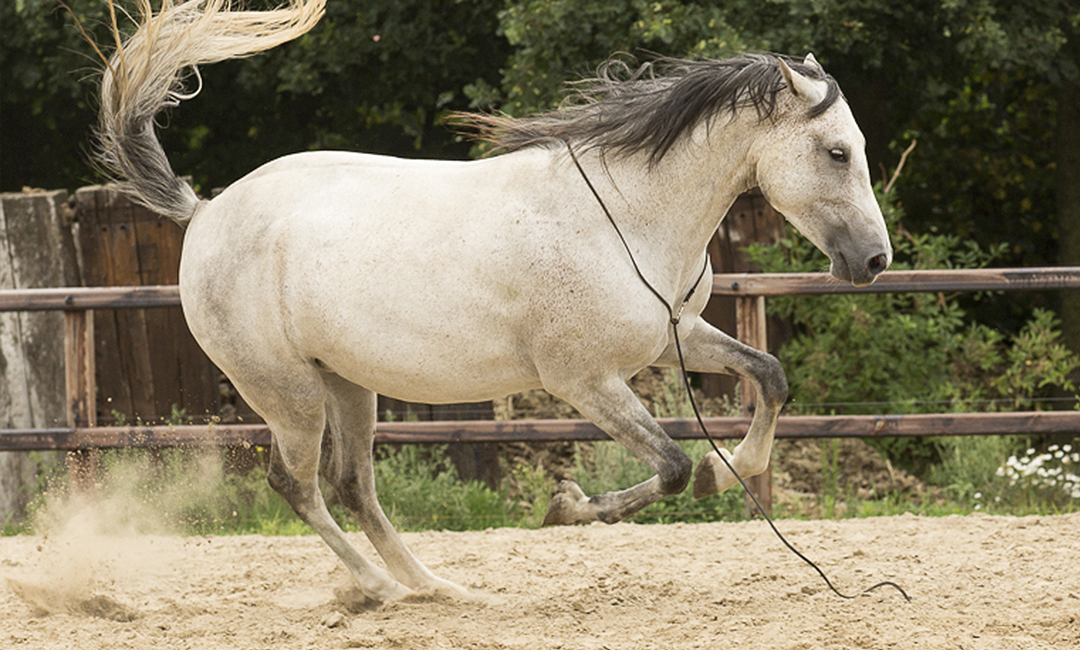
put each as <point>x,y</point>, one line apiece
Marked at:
<point>419,489</point>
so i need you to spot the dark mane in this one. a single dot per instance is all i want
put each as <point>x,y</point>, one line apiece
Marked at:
<point>649,109</point>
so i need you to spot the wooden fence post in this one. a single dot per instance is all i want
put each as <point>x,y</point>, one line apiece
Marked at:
<point>750,220</point>
<point>147,360</point>
<point>751,329</point>
<point>36,251</point>
<point>81,392</point>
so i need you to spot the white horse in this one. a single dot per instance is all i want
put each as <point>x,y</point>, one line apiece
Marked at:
<point>323,278</point>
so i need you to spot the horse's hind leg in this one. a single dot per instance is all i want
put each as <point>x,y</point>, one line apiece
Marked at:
<point>295,411</point>
<point>293,473</point>
<point>613,407</point>
<point>350,470</point>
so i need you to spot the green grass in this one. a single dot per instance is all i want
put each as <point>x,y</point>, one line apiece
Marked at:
<point>189,492</point>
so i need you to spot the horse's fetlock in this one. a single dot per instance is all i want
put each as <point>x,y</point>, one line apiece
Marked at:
<point>611,517</point>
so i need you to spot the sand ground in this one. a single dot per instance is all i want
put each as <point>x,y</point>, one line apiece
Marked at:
<point>976,582</point>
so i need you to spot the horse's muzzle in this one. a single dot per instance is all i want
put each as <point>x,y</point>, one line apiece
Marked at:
<point>860,275</point>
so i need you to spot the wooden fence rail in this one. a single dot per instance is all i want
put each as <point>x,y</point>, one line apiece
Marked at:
<point>82,298</point>
<point>725,284</point>
<point>817,284</point>
<point>750,291</point>
<point>462,431</point>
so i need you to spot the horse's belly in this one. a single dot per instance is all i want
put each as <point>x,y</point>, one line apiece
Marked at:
<point>453,369</point>
<point>449,392</point>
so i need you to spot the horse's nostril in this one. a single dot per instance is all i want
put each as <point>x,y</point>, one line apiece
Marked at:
<point>878,263</point>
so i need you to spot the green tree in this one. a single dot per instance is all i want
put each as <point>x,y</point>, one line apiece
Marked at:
<point>990,88</point>
<point>45,109</point>
<point>555,41</point>
<point>374,75</point>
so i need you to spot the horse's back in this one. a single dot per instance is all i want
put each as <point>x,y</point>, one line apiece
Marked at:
<point>349,162</point>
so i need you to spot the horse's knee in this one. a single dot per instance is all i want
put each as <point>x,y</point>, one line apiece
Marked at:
<point>772,381</point>
<point>675,471</point>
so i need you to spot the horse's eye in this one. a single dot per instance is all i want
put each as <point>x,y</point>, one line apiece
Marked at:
<point>839,155</point>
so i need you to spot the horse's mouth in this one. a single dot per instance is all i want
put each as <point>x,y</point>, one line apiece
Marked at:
<point>839,268</point>
<point>862,276</point>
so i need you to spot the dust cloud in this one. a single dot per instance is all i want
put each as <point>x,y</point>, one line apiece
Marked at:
<point>92,544</point>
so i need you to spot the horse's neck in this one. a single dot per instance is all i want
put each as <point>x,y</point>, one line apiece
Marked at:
<point>670,210</point>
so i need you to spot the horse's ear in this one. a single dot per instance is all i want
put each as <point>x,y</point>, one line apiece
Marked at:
<point>805,89</point>
<point>811,62</point>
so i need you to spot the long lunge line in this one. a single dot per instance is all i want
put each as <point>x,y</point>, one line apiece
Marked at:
<point>675,318</point>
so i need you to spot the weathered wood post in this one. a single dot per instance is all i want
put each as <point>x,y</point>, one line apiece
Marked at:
<point>147,361</point>
<point>751,328</point>
<point>750,220</point>
<point>36,251</point>
<point>80,390</point>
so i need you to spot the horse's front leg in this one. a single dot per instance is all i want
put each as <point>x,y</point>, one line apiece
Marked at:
<point>613,407</point>
<point>707,349</point>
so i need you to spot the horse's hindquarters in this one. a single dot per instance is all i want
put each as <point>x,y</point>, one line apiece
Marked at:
<point>357,271</point>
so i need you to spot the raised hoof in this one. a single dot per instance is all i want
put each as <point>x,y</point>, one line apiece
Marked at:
<point>568,505</point>
<point>712,475</point>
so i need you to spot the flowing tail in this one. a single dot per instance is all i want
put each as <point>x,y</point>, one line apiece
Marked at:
<point>147,72</point>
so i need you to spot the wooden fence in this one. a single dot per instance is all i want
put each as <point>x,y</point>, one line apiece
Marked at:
<point>748,290</point>
<point>147,367</point>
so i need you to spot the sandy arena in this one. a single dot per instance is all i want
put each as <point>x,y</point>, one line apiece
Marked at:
<point>976,582</point>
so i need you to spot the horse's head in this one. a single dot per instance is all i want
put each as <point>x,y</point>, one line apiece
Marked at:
<point>811,166</point>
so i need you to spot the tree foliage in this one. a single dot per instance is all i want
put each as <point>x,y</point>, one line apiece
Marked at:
<point>978,83</point>
<point>974,80</point>
<point>45,110</point>
<point>374,75</point>
<point>911,352</point>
